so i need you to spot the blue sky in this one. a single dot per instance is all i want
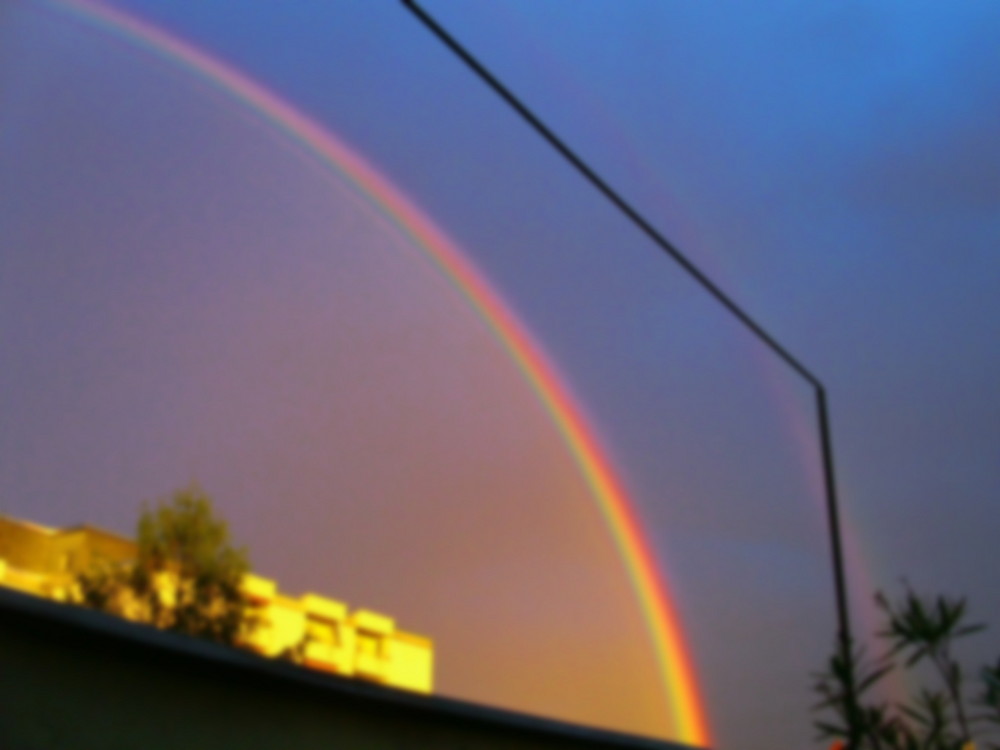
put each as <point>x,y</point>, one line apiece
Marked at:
<point>833,166</point>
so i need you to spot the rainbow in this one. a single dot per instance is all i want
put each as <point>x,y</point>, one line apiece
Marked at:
<point>688,714</point>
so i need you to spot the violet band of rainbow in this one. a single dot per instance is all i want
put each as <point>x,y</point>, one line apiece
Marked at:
<point>687,711</point>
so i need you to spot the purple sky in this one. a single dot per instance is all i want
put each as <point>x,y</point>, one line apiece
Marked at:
<point>186,295</point>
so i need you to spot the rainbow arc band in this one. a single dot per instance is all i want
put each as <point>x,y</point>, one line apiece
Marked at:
<point>687,711</point>
<point>844,638</point>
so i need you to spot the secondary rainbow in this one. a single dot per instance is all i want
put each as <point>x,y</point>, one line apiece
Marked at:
<point>689,719</point>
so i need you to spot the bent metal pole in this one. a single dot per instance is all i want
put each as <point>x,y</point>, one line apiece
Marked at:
<point>822,411</point>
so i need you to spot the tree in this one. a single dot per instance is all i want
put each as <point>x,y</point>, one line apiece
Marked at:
<point>186,576</point>
<point>918,630</point>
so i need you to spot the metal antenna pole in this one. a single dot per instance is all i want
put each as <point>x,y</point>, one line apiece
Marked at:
<point>823,421</point>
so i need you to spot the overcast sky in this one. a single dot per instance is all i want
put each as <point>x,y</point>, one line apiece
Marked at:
<point>188,294</point>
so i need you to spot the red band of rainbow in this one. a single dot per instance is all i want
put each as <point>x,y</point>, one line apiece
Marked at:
<point>688,714</point>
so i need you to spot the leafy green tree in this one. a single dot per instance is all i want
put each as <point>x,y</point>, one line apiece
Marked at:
<point>186,576</point>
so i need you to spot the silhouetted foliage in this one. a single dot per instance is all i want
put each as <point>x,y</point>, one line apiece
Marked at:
<point>989,698</point>
<point>916,630</point>
<point>833,685</point>
<point>185,578</point>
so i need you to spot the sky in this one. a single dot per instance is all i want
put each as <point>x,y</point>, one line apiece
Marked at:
<point>189,294</point>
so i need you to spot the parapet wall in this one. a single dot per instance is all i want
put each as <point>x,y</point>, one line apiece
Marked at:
<point>76,679</point>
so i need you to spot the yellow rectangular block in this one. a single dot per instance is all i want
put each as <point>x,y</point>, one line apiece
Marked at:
<point>257,589</point>
<point>372,622</point>
<point>280,625</point>
<point>411,662</point>
<point>323,608</point>
<point>329,657</point>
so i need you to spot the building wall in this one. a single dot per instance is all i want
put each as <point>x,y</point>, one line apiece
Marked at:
<point>43,561</point>
<point>311,630</point>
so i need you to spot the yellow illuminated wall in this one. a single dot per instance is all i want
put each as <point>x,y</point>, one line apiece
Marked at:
<point>312,630</point>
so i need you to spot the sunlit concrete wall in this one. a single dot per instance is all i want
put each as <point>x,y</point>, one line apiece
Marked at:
<point>310,630</point>
<point>76,679</point>
<point>43,561</point>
